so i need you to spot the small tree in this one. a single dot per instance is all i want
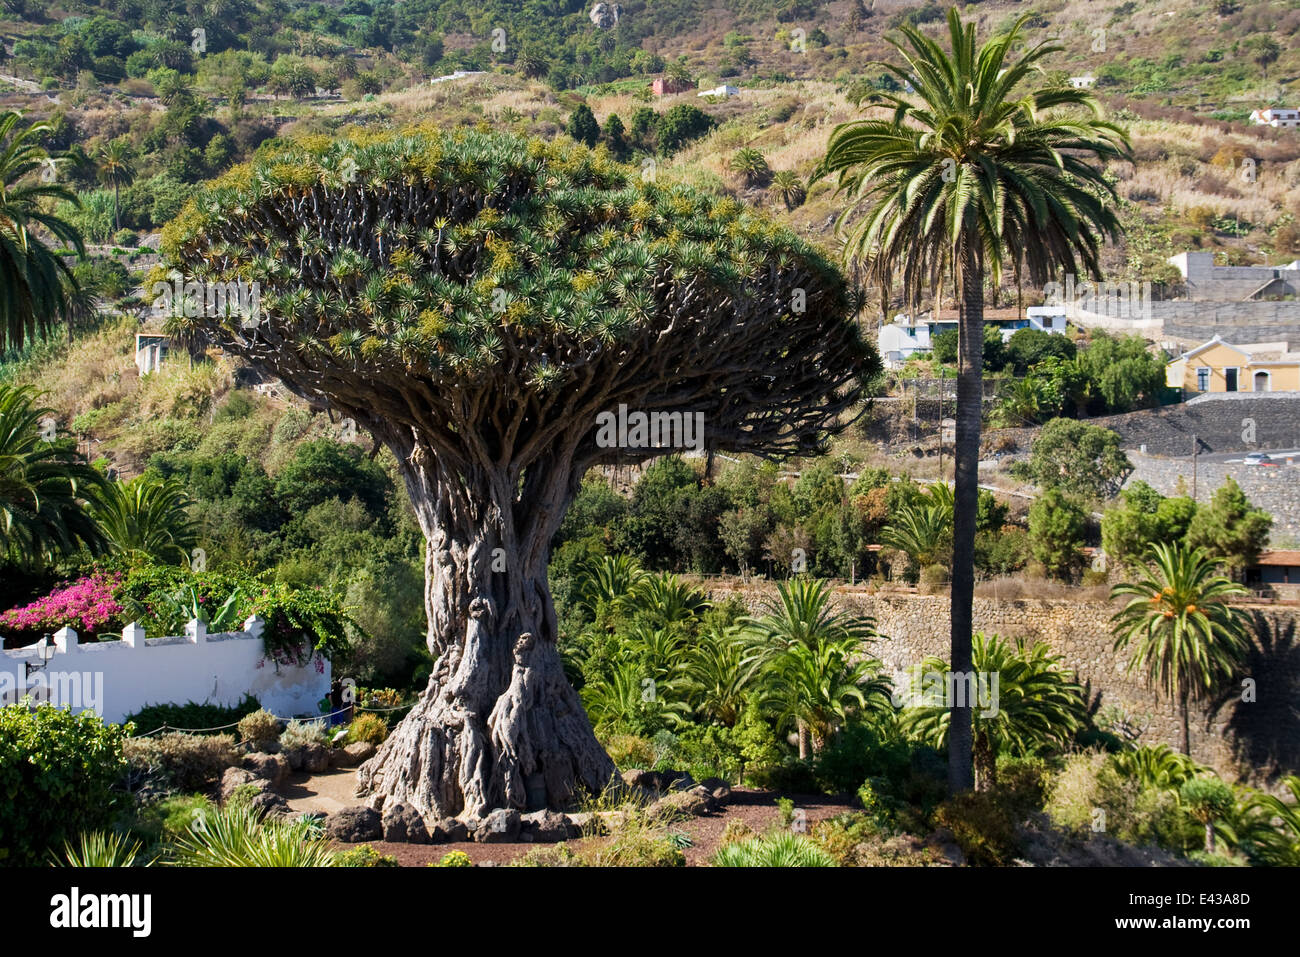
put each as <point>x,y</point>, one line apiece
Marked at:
<point>788,187</point>
<point>1075,457</point>
<point>751,165</point>
<point>1185,635</point>
<point>582,125</point>
<point>1057,526</point>
<point>1229,528</point>
<point>1207,800</point>
<point>1264,50</point>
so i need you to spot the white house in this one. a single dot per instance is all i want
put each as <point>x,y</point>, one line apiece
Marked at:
<point>723,91</point>
<point>905,337</point>
<point>151,351</point>
<point>1083,82</point>
<point>1276,116</point>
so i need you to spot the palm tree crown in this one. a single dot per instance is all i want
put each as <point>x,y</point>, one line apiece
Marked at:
<point>33,279</point>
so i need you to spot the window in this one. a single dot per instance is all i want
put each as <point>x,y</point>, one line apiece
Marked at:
<point>1202,379</point>
<point>1229,380</point>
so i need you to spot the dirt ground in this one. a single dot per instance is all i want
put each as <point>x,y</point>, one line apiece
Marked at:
<point>333,790</point>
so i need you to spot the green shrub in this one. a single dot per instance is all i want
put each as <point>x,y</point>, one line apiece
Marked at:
<point>161,822</point>
<point>126,237</point>
<point>260,729</point>
<point>629,751</point>
<point>234,836</point>
<point>1023,783</point>
<point>100,849</point>
<point>454,859</point>
<point>839,836</point>
<point>367,727</point>
<point>554,855</point>
<point>57,772</point>
<point>777,850</point>
<point>791,775</point>
<point>363,855</point>
<point>786,807</point>
<point>857,752</point>
<point>191,717</point>
<point>299,734</point>
<point>983,826</point>
<point>1091,795</point>
<point>179,762</point>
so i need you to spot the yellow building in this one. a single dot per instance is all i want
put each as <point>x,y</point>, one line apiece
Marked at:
<point>1218,366</point>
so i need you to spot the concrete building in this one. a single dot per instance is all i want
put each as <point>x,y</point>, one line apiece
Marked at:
<point>906,336</point>
<point>1218,366</point>
<point>666,86</point>
<point>722,91</point>
<point>1083,82</point>
<point>1277,572</point>
<point>1276,117</point>
<point>1206,281</point>
<point>151,351</point>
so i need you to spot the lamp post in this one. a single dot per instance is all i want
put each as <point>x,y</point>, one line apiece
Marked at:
<point>44,652</point>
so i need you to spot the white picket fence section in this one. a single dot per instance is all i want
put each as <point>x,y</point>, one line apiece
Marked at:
<point>117,678</point>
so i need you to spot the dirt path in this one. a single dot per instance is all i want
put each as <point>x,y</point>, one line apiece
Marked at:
<point>333,790</point>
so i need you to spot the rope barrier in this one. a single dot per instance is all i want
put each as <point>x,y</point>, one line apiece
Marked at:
<point>319,717</point>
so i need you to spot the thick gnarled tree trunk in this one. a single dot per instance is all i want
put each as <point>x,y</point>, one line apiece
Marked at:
<point>499,724</point>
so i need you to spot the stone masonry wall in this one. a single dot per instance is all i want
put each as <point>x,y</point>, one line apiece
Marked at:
<point>1276,490</point>
<point>1253,741</point>
<point>1271,420</point>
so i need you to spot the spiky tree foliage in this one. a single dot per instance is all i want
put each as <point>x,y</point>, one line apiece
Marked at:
<point>1184,635</point>
<point>751,165</point>
<point>818,687</point>
<point>44,485</point>
<point>788,187</point>
<point>987,167</point>
<point>606,584</point>
<point>1157,767</point>
<point>146,518</point>
<point>1035,702</point>
<point>32,279</point>
<point>722,671</point>
<point>476,300</point>
<point>922,529</point>
<point>1279,844</point>
<point>807,648</point>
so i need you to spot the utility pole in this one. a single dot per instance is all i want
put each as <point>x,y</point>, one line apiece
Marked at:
<point>1195,447</point>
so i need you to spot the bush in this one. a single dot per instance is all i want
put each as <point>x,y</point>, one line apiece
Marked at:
<point>454,859</point>
<point>163,821</point>
<point>363,855</point>
<point>300,734</point>
<point>839,836</point>
<point>629,751</point>
<point>933,578</point>
<point>260,729</point>
<point>235,836</point>
<point>180,762</point>
<point>1023,783</point>
<point>777,850</point>
<point>191,717</point>
<point>983,826</point>
<point>555,855</point>
<point>57,772</point>
<point>367,727</point>
<point>1092,794</point>
<point>126,237</point>
<point>857,752</point>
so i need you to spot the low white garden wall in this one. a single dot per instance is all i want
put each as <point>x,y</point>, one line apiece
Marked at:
<point>117,678</point>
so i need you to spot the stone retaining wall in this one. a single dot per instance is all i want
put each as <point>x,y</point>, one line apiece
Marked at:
<point>1253,741</point>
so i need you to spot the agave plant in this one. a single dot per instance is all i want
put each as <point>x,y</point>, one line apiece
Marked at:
<point>234,836</point>
<point>101,849</point>
<point>1032,703</point>
<point>784,849</point>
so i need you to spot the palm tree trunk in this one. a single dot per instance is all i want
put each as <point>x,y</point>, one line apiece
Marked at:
<point>1187,730</point>
<point>970,363</point>
<point>117,222</point>
<point>1209,837</point>
<point>805,750</point>
<point>986,764</point>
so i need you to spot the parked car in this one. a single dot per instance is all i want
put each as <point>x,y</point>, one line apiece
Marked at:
<point>1259,458</point>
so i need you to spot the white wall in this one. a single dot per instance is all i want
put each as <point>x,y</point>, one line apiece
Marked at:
<point>116,678</point>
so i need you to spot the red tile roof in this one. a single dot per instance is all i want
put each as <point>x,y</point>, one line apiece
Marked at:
<point>1280,556</point>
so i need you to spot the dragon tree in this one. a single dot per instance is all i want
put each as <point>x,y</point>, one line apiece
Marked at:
<point>476,301</point>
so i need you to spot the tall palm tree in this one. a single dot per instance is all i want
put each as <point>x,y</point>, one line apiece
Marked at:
<point>116,170</point>
<point>146,517</point>
<point>1184,634</point>
<point>985,166</point>
<point>44,486</point>
<point>32,277</point>
<point>1035,703</point>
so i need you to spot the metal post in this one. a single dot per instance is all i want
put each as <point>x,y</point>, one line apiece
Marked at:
<point>1195,447</point>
